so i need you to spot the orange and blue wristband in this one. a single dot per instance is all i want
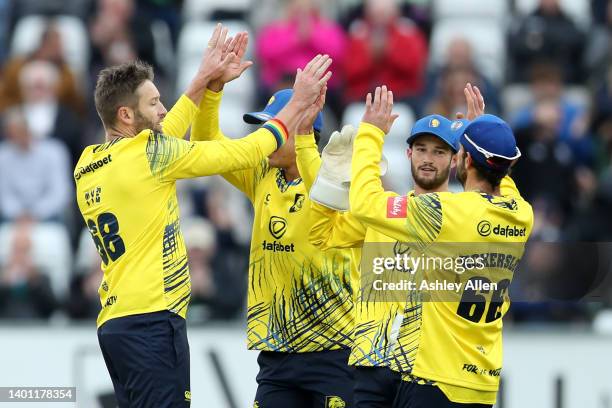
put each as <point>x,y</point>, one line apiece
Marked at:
<point>279,130</point>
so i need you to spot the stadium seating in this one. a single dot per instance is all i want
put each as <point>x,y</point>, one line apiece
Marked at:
<point>75,39</point>
<point>486,37</point>
<point>496,10</point>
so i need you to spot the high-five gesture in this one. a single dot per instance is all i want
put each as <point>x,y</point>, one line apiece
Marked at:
<point>310,81</point>
<point>214,63</point>
<point>379,110</point>
<point>236,66</point>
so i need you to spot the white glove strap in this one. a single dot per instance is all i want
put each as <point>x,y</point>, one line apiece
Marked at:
<point>329,194</point>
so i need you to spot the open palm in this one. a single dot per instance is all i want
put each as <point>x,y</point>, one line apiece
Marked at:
<point>235,68</point>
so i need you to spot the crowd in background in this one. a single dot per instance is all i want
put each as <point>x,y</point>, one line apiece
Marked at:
<point>546,70</point>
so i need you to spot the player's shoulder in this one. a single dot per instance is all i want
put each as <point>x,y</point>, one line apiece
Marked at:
<point>86,154</point>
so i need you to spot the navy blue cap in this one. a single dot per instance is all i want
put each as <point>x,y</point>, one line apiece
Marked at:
<point>276,103</point>
<point>436,125</point>
<point>490,142</point>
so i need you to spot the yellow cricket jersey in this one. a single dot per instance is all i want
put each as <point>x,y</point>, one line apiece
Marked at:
<point>456,345</point>
<point>126,193</point>
<point>377,320</point>
<point>299,299</point>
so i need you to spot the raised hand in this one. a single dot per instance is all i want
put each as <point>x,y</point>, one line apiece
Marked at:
<point>214,61</point>
<point>379,110</point>
<point>475,102</point>
<point>310,81</point>
<point>236,66</point>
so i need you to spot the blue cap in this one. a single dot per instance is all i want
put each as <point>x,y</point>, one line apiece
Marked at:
<point>276,103</point>
<point>436,125</point>
<point>490,142</point>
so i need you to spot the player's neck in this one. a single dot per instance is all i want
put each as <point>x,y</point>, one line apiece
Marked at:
<point>291,172</point>
<point>476,184</point>
<point>119,131</point>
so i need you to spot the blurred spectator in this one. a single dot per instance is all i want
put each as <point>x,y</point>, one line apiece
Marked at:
<point>459,56</point>
<point>34,174</point>
<point>545,158</point>
<point>450,98</point>
<point>50,50</point>
<point>120,34</point>
<point>418,11</point>
<point>570,126</point>
<point>598,55</point>
<point>46,116</point>
<point>25,290</point>
<point>288,44</point>
<point>384,48</point>
<point>547,34</point>
<point>594,224</point>
<point>218,284</point>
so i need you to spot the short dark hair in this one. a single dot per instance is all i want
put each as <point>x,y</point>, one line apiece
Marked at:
<point>116,87</point>
<point>491,176</point>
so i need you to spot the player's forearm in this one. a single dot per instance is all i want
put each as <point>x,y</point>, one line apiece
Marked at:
<point>224,156</point>
<point>332,229</point>
<point>307,157</point>
<point>179,118</point>
<point>291,114</point>
<point>368,200</point>
<point>196,89</point>
<point>206,123</point>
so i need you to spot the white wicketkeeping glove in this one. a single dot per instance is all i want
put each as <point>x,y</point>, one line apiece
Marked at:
<point>331,188</point>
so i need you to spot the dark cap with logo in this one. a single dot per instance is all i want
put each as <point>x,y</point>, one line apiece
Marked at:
<point>490,141</point>
<point>436,125</point>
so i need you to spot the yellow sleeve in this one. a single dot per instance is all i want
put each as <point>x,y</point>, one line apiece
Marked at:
<point>206,123</point>
<point>404,218</point>
<point>171,158</point>
<point>179,118</point>
<point>206,128</point>
<point>308,158</point>
<point>333,229</point>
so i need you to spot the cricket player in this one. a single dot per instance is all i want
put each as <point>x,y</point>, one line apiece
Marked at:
<point>433,143</point>
<point>449,353</point>
<point>127,195</point>
<point>300,301</point>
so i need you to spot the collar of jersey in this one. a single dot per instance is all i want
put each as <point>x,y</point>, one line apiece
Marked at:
<point>282,182</point>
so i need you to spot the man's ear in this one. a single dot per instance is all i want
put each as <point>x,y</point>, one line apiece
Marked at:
<point>125,115</point>
<point>468,161</point>
<point>453,162</point>
<point>409,153</point>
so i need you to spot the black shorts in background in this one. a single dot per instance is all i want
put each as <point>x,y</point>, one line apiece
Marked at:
<point>413,395</point>
<point>376,387</point>
<point>147,357</point>
<point>305,380</point>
